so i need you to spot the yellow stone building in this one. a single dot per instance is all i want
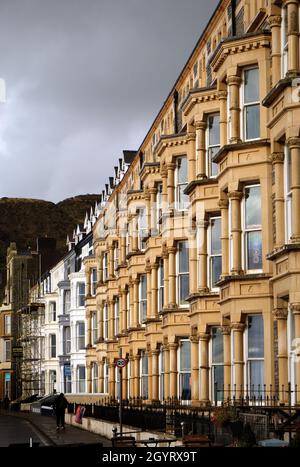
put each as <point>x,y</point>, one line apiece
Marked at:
<point>197,248</point>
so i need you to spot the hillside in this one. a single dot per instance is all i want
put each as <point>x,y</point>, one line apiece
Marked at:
<point>23,220</point>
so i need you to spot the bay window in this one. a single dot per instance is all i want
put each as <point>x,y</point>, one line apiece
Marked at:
<point>143,299</point>
<point>184,372</point>
<point>212,144</point>
<point>252,228</point>
<point>217,365</point>
<point>181,182</point>
<point>183,273</point>
<point>288,193</point>
<point>144,375</point>
<point>250,104</point>
<point>255,355</point>
<point>214,251</point>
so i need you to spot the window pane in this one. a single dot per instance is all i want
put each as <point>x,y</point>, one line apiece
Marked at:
<point>183,287</point>
<point>216,246</point>
<point>143,287</point>
<point>183,256</point>
<point>182,170</point>
<point>253,207</point>
<point>213,168</point>
<point>183,199</point>
<point>256,374</point>
<point>216,269</point>
<point>218,382</point>
<point>217,346</point>
<point>252,119</point>
<point>254,250</point>
<point>214,130</point>
<point>185,386</point>
<point>185,356</point>
<point>255,337</point>
<point>251,85</point>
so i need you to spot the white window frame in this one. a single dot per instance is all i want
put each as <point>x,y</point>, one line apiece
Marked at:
<point>210,255</point>
<point>79,295</point>
<point>142,300</point>
<point>94,327</point>
<point>105,321</point>
<point>159,207</point>
<point>161,285</point>
<point>127,309</point>
<point>80,336</point>
<point>105,267</point>
<point>246,231</point>
<point>161,372</point>
<point>247,360</point>
<point>178,274</point>
<point>52,310</point>
<point>117,316</point>
<point>211,369</point>
<point>243,120</point>
<point>95,387</point>
<point>66,342</point>
<point>144,376</point>
<point>66,303</point>
<point>142,228</point>
<point>7,325</point>
<point>106,377</point>
<point>180,184</point>
<point>116,258</point>
<point>52,346</point>
<point>180,371</point>
<point>93,282</point>
<point>208,162</point>
<point>287,194</point>
<point>81,381</point>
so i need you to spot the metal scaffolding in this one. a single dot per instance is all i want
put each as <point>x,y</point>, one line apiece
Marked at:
<point>30,322</point>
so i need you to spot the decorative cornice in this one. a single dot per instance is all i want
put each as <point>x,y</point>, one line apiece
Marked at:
<point>293,143</point>
<point>199,97</point>
<point>274,20</point>
<point>234,80</point>
<point>237,195</point>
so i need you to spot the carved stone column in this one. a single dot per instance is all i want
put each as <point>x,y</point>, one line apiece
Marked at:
<point>223,117</point>
<point>150,374</point>
<point>234,82</point>
<point>238,359</point>
<point>281,315</point>
<point>111,305</point>
<point>278,160</point>
<point>153,215</point>
<point>167,372</point>
<point>87,281</point>
<point>89,377</point>
<point>100,267</point>
<point>166,276</point>
<point>136,364</point>
<point>223,204</point>
<point>275,25</point>
<point>164,176</point>
<point>195,368</point>
<point>191,154</point>
<point>123,310</point>
<point>202,226</point>
<point>135,303</point>
<point>111,261</point>
<point>201,149</point>
<point>293,37</point>
<point>100,309</point>
<point>204,368</point>
<point>89,329</point>
<point>193,265</point>
<point>227,359</point>
<point>236,231</point>
<point>112,381</point>
<point>101,377</point>
<point>294,144</point>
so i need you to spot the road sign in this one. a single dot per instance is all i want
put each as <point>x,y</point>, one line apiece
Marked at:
<point>120,362</point>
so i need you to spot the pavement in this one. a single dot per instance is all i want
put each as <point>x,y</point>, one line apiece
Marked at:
<point>42,429</point>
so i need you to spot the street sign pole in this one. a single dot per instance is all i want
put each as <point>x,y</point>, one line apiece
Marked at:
<point>121,395</point>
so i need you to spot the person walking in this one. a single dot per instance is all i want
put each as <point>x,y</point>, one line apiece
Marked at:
<point>60,406</point>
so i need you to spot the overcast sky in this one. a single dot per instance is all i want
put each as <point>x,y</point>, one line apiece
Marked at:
<point>84,80</point>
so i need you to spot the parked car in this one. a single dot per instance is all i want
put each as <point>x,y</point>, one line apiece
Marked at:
<point>44,406</point>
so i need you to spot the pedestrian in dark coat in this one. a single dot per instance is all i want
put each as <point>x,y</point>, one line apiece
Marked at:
<point>60,406</point>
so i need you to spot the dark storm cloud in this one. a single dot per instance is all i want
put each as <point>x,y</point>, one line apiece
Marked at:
<point>85,78</point>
